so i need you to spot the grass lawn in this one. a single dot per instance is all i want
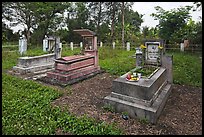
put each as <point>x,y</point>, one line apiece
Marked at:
<point>26,105</point>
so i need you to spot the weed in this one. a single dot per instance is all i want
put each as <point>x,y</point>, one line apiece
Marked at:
<point>143,120</point>
<point>108,107</point>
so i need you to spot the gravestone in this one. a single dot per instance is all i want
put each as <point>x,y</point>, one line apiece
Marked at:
<point>71,46</point>
<point>152,55</point>
<point>145,97</point>
<point>139,57</point>
<point>128,46</point>
<point>113,45</point>
<point>22,45</point>
<point>101,44</point>
<point>181,46</point>
<point>48,43</point>
<point>81,44</point>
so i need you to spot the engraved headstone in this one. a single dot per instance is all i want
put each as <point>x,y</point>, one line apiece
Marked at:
<point>152,54</point>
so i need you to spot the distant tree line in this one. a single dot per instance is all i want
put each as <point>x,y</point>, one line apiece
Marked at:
<point>112,21</point>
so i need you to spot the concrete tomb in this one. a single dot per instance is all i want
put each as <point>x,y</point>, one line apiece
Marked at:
<point>38,64</point>
<point>145,97</point>
<point>71,69</point>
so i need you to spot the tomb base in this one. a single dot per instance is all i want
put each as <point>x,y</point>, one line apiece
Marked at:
<point>144,99</point>
<point>72,69</point>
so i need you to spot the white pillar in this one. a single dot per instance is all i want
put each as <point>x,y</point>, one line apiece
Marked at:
<point>58,48</point>
<point>113,45</point>
<point>45,45</point>
<point>81,44</point>
<point>22,45</point>
<point>101,44</point>
<point>128,46</point>
<point>71,46</point>
<point>19,44</point>
<point>182,47</point>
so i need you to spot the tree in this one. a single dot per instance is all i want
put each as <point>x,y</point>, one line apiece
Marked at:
<point>172,22</point>
<point>97,16</point>
<point>46,14</point>
<point>20,13</point>
<point>123,8</point>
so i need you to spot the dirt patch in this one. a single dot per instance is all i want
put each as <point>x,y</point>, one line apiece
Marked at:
<point>182,114</point>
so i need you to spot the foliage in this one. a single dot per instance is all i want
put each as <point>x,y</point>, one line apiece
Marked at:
<point>172,22</point>
<point>116,62</point>
<point>27,110</point>
<point>7,34</point>
<point>187,68</point>
<point>108,107</point>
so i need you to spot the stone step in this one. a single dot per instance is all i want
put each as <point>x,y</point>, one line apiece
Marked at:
<point>73,75</point>
<point>40,67</point>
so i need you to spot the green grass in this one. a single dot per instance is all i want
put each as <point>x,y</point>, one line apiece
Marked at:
<point>116,62</point>
<point>26,110</point>
<point>187,68</point>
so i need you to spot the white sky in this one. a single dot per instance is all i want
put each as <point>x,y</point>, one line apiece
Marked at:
<point>147,8</point>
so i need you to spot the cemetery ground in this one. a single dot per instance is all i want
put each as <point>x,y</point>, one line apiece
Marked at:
<point>33,107</point>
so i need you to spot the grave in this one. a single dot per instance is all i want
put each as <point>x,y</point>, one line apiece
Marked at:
<point>146,95</point>
<point>48,43</point>
<point>71,69</point>
<point>22,45</point>
<point>38,64</point>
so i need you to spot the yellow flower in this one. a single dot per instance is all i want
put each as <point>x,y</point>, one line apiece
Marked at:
<point>160,47</point>
<point>143,47</point>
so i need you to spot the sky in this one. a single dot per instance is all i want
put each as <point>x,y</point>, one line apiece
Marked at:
<point>147,8</point>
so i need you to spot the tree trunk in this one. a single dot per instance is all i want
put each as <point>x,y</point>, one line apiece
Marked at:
<point>113,22</point>
<point>99,20</point>
<point>123,41</point>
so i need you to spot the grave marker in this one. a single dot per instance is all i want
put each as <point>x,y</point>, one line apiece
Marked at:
<point>71,46</point>
<point>113,45</point>
<point>128,46</point>
<point>22,45</point>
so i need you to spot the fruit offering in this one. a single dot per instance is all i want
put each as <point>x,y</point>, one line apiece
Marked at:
<point>131,77</point>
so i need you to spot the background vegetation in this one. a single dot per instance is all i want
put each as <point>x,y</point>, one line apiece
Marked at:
<point>112,21</point>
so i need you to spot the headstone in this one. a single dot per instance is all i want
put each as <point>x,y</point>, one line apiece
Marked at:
<point>128,46</point>
<point>138,57</point>
<point>71,46</point>
<point>113,45</point>
<point>152,53</point>
<point>81,44</point>
<point>182,46</point>
<point>22,45</point>
<point>58,48</point>
<point>101,44</point>
<point>45,45</point>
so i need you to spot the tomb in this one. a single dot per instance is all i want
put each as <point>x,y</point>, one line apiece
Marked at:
<point>48,43</point>
<point>144,96</point>
<point>38,64</point>
<point>71,69</point>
